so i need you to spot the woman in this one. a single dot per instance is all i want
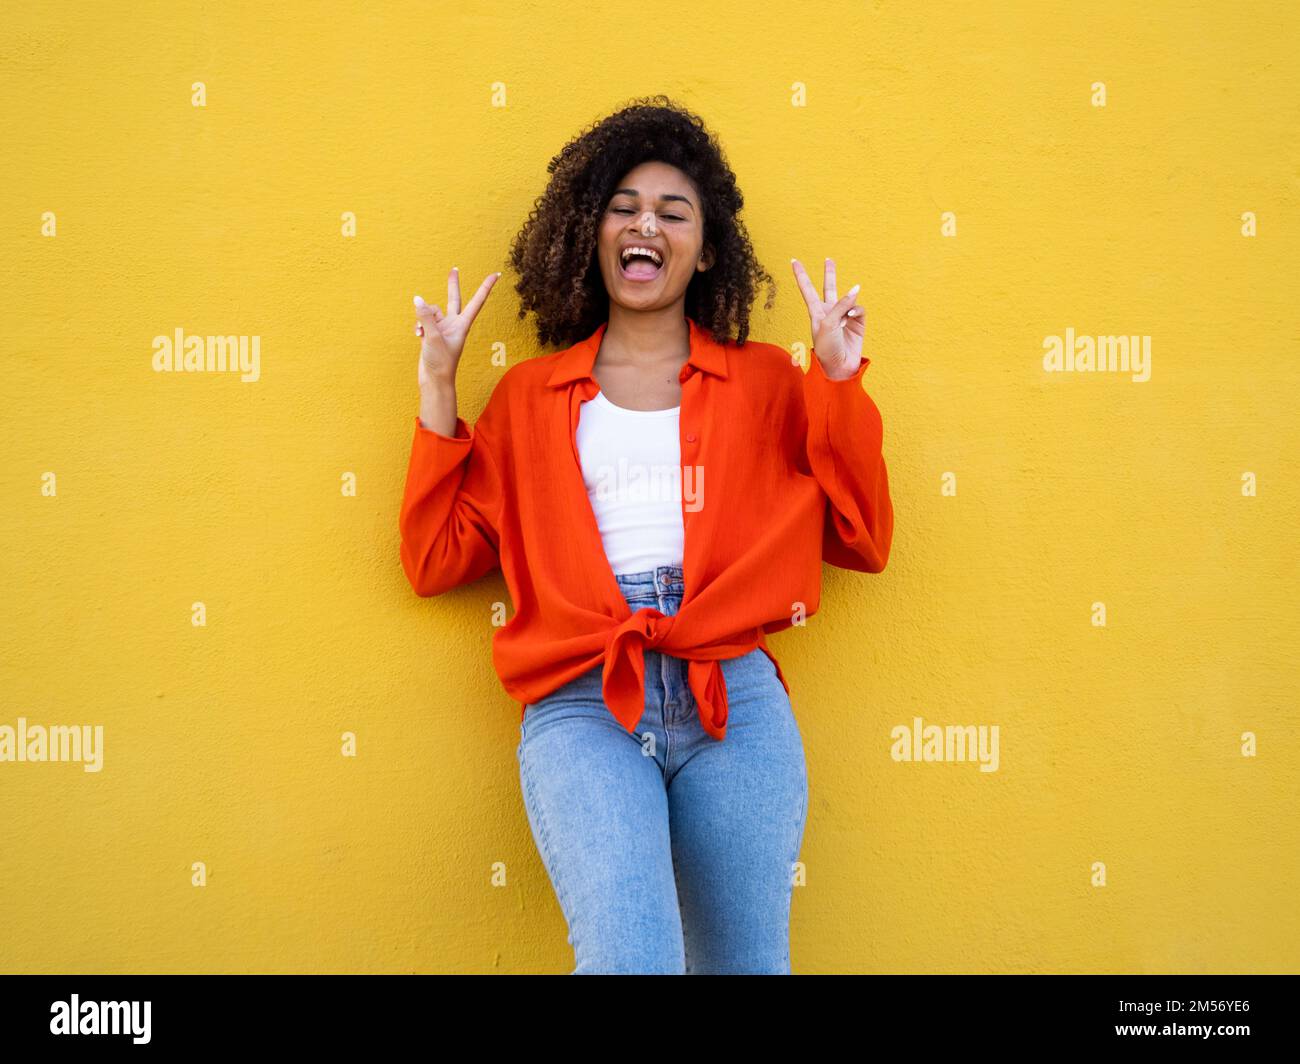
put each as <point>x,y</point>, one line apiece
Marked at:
<point>661,767</point>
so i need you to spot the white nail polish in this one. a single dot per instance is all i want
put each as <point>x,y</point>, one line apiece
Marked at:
<point>854,289</point>
<point>419,301</point>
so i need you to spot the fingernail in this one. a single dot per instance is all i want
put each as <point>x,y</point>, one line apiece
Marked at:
<point>854,289</point>
<point>419,301</point>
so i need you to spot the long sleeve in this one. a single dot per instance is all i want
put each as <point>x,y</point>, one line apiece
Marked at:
<point>845,436</point>
<point>450,508</point>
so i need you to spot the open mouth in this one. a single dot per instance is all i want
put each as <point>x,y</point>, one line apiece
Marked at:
<point>640,263</point>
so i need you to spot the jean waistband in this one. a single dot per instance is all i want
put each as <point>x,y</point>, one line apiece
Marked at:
<point>660,578</point>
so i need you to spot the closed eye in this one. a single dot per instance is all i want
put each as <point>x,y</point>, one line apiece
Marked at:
<point>628,210</point>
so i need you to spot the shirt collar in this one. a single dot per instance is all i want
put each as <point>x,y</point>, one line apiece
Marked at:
<point>576,363</point>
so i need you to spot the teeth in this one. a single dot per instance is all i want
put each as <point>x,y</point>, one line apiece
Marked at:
<point>627,252</point>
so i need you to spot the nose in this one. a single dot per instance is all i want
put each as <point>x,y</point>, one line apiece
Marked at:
<point>647,224</point>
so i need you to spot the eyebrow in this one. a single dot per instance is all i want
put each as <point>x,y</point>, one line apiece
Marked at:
<point>662,199</point>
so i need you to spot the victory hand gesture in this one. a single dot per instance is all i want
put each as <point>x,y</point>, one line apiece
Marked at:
<point>444,334</point>
<point>838,324</point>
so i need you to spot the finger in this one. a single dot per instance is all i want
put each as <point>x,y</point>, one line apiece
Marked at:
<point>419,329</point>
<point>805,284</point>
<point>428,313</point>
<point>431,311</point>
<point>829,284</point>
<point>839,311</point>
<point>472,310</point>
<point>453,291</point>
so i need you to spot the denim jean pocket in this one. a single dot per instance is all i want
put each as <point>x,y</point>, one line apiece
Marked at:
<point>582,688</point>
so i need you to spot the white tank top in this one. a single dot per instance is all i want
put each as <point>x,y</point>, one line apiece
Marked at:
<point>631,463</point>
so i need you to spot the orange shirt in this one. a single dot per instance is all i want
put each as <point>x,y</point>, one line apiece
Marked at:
<point>786,471</point>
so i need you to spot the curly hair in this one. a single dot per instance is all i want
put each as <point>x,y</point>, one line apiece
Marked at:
<point>555,251</point>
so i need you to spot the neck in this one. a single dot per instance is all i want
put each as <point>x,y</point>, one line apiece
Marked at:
<point>645,337</point>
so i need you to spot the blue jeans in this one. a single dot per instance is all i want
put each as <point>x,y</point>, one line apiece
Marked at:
<point>670,852</point>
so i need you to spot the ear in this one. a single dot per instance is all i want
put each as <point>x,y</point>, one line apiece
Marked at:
<point>706,258</point>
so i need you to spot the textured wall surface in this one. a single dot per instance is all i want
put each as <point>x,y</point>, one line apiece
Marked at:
<point>957,161</point>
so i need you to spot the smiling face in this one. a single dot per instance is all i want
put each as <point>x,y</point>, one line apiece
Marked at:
<point>655,209</point>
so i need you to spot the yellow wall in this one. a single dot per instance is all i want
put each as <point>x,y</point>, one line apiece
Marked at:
<point>1119,744</point>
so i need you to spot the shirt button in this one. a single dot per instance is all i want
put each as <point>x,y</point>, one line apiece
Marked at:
<point>690,437</point>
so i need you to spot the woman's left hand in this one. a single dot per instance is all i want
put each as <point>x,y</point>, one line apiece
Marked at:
<point>838,325</point>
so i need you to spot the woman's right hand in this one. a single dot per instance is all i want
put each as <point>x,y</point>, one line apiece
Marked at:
<point>444,334</point>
